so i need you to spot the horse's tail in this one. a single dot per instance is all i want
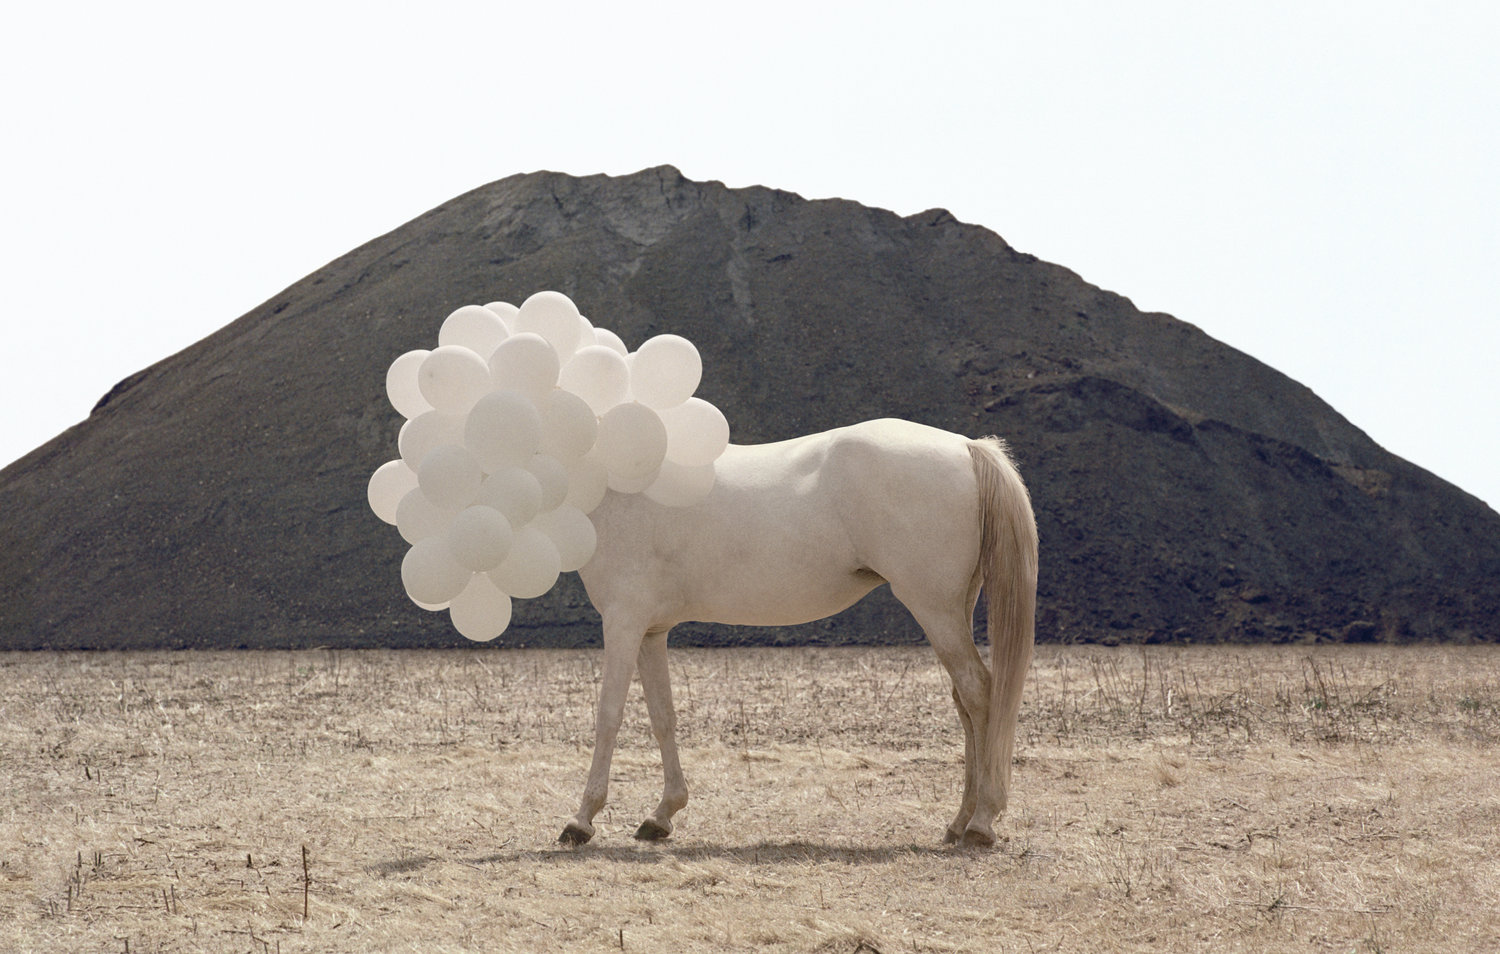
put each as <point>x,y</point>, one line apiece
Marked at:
<point>1008,563</point>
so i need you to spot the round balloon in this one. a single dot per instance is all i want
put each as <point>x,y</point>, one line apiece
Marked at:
<point>452,378</point>
<point>665,372</point>
<point>503,430</point>
<point>418,518</point>
<point>679,486</point>
<point>474,327</point>
<point>390,482</point>
<point>422,435</point>
<point>431,574</point>
<point>553,316</point>
<point>632,441</point>
<point>569,425</point>
<point>525,362</point>
<point>597,374</point>
<point>612,341</point>
<point>553,476</point>
<point>588,482</point>
<point>632,485</point>
<point>481,612</point>
<point>531,567</point>
<point>514,492</point>
<point>507,313</point>
<point>479,537</point>
<point>401,385</point>
<point>572,532</point>
<point>450,477</point>
<point>697,432</point>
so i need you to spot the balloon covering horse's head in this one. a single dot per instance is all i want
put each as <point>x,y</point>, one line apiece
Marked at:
<point>760,535</point>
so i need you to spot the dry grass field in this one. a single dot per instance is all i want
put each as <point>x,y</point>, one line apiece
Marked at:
<point>1223,799</point>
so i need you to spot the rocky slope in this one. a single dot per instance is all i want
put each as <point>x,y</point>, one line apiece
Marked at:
<point>1183,489</point>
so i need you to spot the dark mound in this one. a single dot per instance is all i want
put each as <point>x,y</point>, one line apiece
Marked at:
<point>1183,489</point>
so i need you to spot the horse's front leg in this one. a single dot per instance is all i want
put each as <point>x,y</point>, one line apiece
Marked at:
<point>621,646</point>
<point>657,683</point>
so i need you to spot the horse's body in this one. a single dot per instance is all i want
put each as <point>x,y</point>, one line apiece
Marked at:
<point>799,530</point>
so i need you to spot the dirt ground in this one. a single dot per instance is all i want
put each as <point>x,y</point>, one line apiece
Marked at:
<point>1214,798</point>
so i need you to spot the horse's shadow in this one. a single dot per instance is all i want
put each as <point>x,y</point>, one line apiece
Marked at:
<point>764,852</point>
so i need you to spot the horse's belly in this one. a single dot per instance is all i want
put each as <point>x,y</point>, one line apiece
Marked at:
<point>782,602</point>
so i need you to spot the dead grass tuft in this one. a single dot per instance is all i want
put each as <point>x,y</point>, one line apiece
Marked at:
<point>1166,799</point>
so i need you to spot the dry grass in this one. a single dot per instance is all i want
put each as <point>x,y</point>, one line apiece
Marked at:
<point>1170,799</point>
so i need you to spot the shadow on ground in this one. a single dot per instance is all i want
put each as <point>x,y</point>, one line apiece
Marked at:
<point>765,852</point>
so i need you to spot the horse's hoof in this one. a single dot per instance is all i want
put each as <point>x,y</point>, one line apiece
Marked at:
<point>652,830</point>
<point>574,834</point>
<point>974,838</point>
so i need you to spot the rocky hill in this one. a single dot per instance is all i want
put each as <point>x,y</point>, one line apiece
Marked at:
<point>1184,490</point>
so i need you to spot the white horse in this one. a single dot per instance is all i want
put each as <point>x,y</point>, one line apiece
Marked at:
<point>799,530</point>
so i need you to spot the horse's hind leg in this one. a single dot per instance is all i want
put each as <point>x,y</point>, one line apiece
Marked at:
<point>971,783</point>
<point>622,643</point>
<point>657,683</point>
<point>949,630</point>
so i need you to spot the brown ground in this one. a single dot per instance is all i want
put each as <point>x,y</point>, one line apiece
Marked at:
<point>1343,799</point>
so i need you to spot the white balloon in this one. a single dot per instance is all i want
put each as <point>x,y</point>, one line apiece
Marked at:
<point>553,476</point>
<point>612,341</point>
<point>390,482</point>
<point>697,432</point>
<point>430,574</point>
<point>679,486</point>
<point>569,425</point>
<point>418,518</point>
<point>525,362</point>
<point>532,566</point>
<point>553,316</point>
<point>422,435</point>
<point>572,532</point>
<point>481,612</point>
<point>632,441</point>
<point>474,327</point>
<point>450,477</point>
<point>597,374</point>
<point>480,537</point>
<point>588,482</point>
<point>632,485</point>
<point>452,378</point>
<point>503,430</point>
<point>666,371</point>
<point>507,313</point>
<point>401,385</point>
<point>514,492</point>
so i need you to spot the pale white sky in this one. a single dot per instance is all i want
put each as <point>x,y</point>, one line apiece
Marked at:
<point>1313,183</point>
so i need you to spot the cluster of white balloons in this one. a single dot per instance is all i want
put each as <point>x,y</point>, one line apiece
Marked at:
<point>518,424</point>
